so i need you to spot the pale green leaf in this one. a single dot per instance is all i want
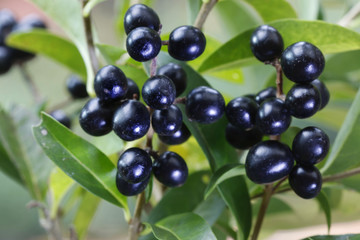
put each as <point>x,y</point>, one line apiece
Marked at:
<point>325,206</point>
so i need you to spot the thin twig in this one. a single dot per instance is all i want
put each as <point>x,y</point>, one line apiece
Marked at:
<point>350,15</point>
<point>279,78</point>
<point>153,66</point>
<point>30,82</point>
<point>203,13</point>
<point>181,100</point>
<point>135,222</point>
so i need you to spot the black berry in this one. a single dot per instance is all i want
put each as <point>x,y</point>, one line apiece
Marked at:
<point>302,62</point>
<point>6,59</point>
<point>7,22</point>
<point>268,161</point>
<point>179,137</point>
<point>140,15</point>
<point>306,181</point>
<point>61,117</point>
<point>132,90</point>
<point>76,87</point>
<point>177,74</point>
<point>167,121</point>
<point>159,92</point>
<point>324,92</point>
<point>130,189</point>
<point>204,105</point>
<point>242,139</point>
<point>265,94</point>
<point>266,43</point>
<point>186,43</point>
<point>241,112</point>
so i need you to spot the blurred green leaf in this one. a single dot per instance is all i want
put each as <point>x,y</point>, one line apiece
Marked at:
<point>276,205</point>
<point>90,5</point>
<point>52,46</point>
<point>335,237</point>
<point>193,8</point>
<point>325,206</point>
<point>330,38</point>
<point>79,159</point>
<point>288,136</point>
<point>110,53</point>
<point>307,9</point>
<point>121,8</point>
<point>338,65</point>
<point>7,166</point>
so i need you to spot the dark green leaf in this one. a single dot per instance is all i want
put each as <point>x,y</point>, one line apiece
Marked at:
<point>79,159</point>
<point>335,237</point>
<point>7,166</point>
<point>211,208</point>
<point>325,206</point>
<point>288,136</point>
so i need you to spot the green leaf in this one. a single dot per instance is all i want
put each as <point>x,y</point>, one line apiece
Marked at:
<point>89,6</point>
<point>193,8</point>
<point>224,173</point>
<point>186,226</point>
<point>339,65</point>
<point>79,159</point>
<point>307,9</point>
<point>52,46</point>
<point>335,237</point>
<point>211,209</point>
<point>110,53</point>
<point>344,154</point>
<point>7,166</point>
<point>330,38</point>
<point>325,206</point>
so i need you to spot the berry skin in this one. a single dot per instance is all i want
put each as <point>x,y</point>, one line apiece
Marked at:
<point>242,139</point>
<point>273,118</point>
<point>306,181</point>
<point>159,92</point>
<point>303,100</point>
<point>170,169</point>
<point>268,161</point>
<point>167,121</point>
<point>76,87</point>
<point>302,62</point>
<point>186,43</point>
<point>131,120</point>
<point>6,59</point>
<point>143,44</point>
<point>110,84</point>
<point>7,22</point>
<point>265,94</point>
<point>310,146</point>
<point>134,165</point>
<point>179,137</point>
<point>241,112</point>
<point>140,15</point>
<point>95,119</point>
<point>204,105</point>
<point>130,189</point>
<point>132,90</point>
<point>177,74</point>
<point>266,43</point>
<point>324,92</point>
<point>61,117</point>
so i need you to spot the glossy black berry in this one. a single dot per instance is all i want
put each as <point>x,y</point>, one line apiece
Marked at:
<point>134,165</point>
<point>186,43</point>
<point>306,181</point>
<point>159,92</point>
<point>132,90</point>
<point>95,119</point>
<point>179,137</point>
<point>131,120</point>
<point>303,100</point>
<point>140,15</point>
<point>170,169</point>
<point>268,161</point>
<point>266,43</point>
<point>167,121</point>
<point>143,44</point>
<point>177,74</point>
<point>130,189</point>
<point>273,118</point>
<point>7,22</point>
<point>310,146</point>
<point>265,94</point>
<point>76,87</point>
<point>61,117</point>
<point>302,62</point>
<point>241,112</point>
<point>6,59</point>
<point>324,92</point>
<point>110,84</point>
<point>204,105</point>
<point>242,139</point>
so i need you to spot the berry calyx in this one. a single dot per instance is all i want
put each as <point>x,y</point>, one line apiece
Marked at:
<point>159,92</point>
<point>76,87</point>
<point>179,137</point>
<point>242,139</point>
<point>177,74</point>
<point>241,112</point>
<point>167,121</point>
<point>60,116</point>
<point>140,15</point>
<point>306,181</point>
<point>324,92</point>
<point>130,189</point>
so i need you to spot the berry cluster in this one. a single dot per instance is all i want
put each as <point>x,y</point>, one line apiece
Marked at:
<point>8,24</point>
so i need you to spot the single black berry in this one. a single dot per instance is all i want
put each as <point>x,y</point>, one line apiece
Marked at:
<point>167,121</point>
<point>159,92</point>
<point>110,84</point>
<point>310,146</point>
<point>324,92</point>
<point>273,118</point>
<point>140,15</point>
<point>131,120</point>
<point>95,119</point>
<point>133,91</point>
<point>265,94</point>
<point>134,165</point>
<point>76,87</point>
<point>170,169</point>
<point>302,62</point>
<point>177,74</point>
<point>303,100</point>
<point>266,43</point>
<point>241,112</point>
<point>179,137</point>
<point>61,117</point>
<point>186,43</point>
<point>6,59</point>
<point>204,105</point>
<point>306,181</point>
<point>7,22</point>
<point>143,44</point>
<point>268,161</point>
<point>130,189</point>
<point>242,139</point>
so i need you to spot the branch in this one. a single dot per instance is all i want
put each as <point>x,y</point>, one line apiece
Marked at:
<point>204,12</point>
<point>135,222</point>
<point>350,15</point>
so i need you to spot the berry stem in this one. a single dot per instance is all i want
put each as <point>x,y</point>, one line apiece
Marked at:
<point>135,222</point>
<point>165,42</point>
<point>204,12</point>
<point>153,66</point>
<point>261,214</point>
<point>30,82</point>
<point>181,100</point>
